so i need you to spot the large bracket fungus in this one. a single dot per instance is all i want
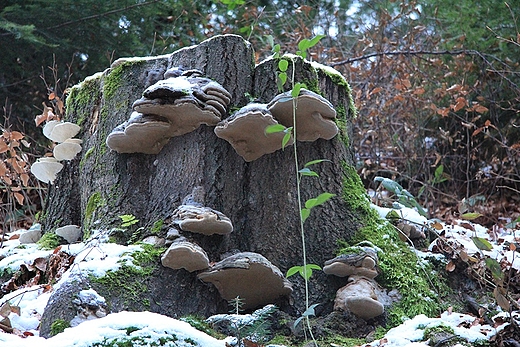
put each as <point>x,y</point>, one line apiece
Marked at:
<point>362,263</point>
<point>249,276</point>
<point>315,115</point>
<point>186,255</point>
<point>171,107</point>
<point>202,220</point>
<point>141,133</point>
<point>45,169</point>
<point>245,130</point>
<point>58,131</point>
<point>359,297</point>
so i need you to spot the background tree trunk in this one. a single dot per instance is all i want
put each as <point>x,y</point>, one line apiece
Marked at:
<point>259,197</point>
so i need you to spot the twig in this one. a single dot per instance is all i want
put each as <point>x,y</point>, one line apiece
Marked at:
<point>101,14</point>
<point>423,52</point>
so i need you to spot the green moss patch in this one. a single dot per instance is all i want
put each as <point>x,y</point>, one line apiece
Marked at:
<point>58,326</point>
<point>95,201</point>
<point>400,269</point>
<point>49,241</point>
<point>130,280</point>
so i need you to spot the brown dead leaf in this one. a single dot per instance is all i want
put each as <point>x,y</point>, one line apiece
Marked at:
<point>467,226</point>
<point>437,226</point>
<point>464,256</point>
<point>460,104</point>
<point>39,119</point>
<point>16,309</point>
<point>16,135</point>
<point>419,91</point>
<point>477,131</point>
<point>512,247</point>
<point>481,109</point>
<point>19,198</point>
<point>5,325</point>
<point>376,90</point>
<point>25,179</point>
<point>501,299</point>
<point>5,309</point>
<point>3,147</point>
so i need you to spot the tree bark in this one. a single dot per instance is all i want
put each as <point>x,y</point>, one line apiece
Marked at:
<point>259,196</point>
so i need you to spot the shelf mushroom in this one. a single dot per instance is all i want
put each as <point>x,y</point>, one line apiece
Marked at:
<point>359,297</point>
<point>315,115</point>
<point>45,169</point>
<point>202,220</point>
<point>67,150</point>
<point>249,276</point>
<point>58,131</point>
<point>362,263</point>
<point>186,255</point>
<point>141,133</point>
<point>71,233</point>
<point>179,104</point>
<point>245,131</point>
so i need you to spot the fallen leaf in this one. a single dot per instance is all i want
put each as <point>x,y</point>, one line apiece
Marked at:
<point>437,226</point>
<point>501,299</point>
<point>19,198</point>
<point>467,226</point>
<point>464,256</point>
<point>470,215</point>
<point>482,243</point>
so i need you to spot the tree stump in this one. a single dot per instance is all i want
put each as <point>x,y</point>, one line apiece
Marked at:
<point>259,196</point>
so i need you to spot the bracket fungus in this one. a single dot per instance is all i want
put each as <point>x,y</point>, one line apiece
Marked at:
<point>171,107</point>
<point>315,115</point>
<point>67,150</point>
<point>249,276</point>
<point>183,254</point>
<point>359,297</point>
<point>202,220</point>
<point>45,169</point>
<point>71,233</point>
<point>58,131</point>
<point>141,133</point>
<point>362,263</point>
<point>245,131</point>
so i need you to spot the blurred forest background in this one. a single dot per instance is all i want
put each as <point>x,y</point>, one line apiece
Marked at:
<point>436,82</point>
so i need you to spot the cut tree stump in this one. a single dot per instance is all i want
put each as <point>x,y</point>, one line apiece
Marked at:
<point>259,197</point>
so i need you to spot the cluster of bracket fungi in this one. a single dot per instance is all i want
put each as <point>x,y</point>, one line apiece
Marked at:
<point>235,275</point>
<point>67,147</point>
<point>184,100</point>
<point>179,104</point>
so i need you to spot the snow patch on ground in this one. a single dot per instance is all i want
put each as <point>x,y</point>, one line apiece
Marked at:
<point>97,256</point>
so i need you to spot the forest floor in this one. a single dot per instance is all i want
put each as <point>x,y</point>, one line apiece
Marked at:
<point>480,261</point>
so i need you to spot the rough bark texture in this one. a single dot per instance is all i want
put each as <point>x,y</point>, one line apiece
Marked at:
<point>259,197</point>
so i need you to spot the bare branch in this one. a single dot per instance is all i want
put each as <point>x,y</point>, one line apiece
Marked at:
<point>102,14</point>
<point>421,52</point>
